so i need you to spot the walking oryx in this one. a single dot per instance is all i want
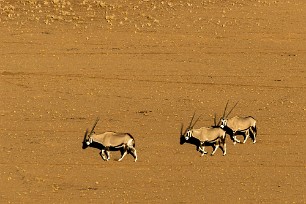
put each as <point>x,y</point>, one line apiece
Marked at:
<point>110,141</point>
<point>239,125</point>
<point>203,136</point>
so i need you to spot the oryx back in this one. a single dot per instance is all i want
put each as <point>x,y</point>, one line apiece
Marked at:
<point>114,139</point>
<point>210,134</point>
<point>241,123</point>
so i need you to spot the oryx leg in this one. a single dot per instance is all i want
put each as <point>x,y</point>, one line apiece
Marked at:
<point>202,149</point>
<point>246,135</point>
<point>223,146</point>
<point>235,139</point>
<point>199,148</point>
<point>107,153</point>
<point>133,153</point>
<point>253,133</point>
<point>203,152</point>
<point>102,153</point>
<point>215,149</point>
<point>216,146</point>
<point>123,153</point>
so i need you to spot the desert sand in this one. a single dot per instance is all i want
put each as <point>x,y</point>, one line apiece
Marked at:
<point>145,67</point>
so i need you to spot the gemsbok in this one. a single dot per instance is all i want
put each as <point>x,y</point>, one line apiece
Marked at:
<point>204,136</point>
<point>110,141</point>
<point>239,125</point>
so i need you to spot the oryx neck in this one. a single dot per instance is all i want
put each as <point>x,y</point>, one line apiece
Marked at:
<point>195,132</point>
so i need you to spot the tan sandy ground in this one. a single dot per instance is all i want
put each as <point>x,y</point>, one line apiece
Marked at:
<point>144,67</point>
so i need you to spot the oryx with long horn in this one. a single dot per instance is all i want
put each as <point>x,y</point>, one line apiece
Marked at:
<point>238,125</point>
<point>110,141</point>
<point>213,136</point>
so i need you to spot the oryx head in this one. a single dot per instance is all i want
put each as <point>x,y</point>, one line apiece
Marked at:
<point>223,119</point>
<point>187,134</point>
<point>223,123</point>
<point>87,137</point>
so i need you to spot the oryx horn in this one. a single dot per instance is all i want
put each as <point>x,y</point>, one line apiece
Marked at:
<point>85,135</point>
<point>93,128</point>
<point>223,113</point>
<point>182,128</point>
<point>232,109</point>
<point>190,126</point>
<point>195,122</point>
<point>225,109</point>
<point>191,120</point>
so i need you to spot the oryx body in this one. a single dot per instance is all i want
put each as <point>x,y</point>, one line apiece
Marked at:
<point>208,135</point>
<point>237,125</point>
<point>246,125</point>
<point>110,141</point>
<point>203,136</point>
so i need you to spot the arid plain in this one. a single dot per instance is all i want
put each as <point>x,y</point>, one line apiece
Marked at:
<point>144,67</point>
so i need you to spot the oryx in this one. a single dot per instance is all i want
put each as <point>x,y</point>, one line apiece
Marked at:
<point>239,125</point>
<point>204,136</point>
<point>110,141</point>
